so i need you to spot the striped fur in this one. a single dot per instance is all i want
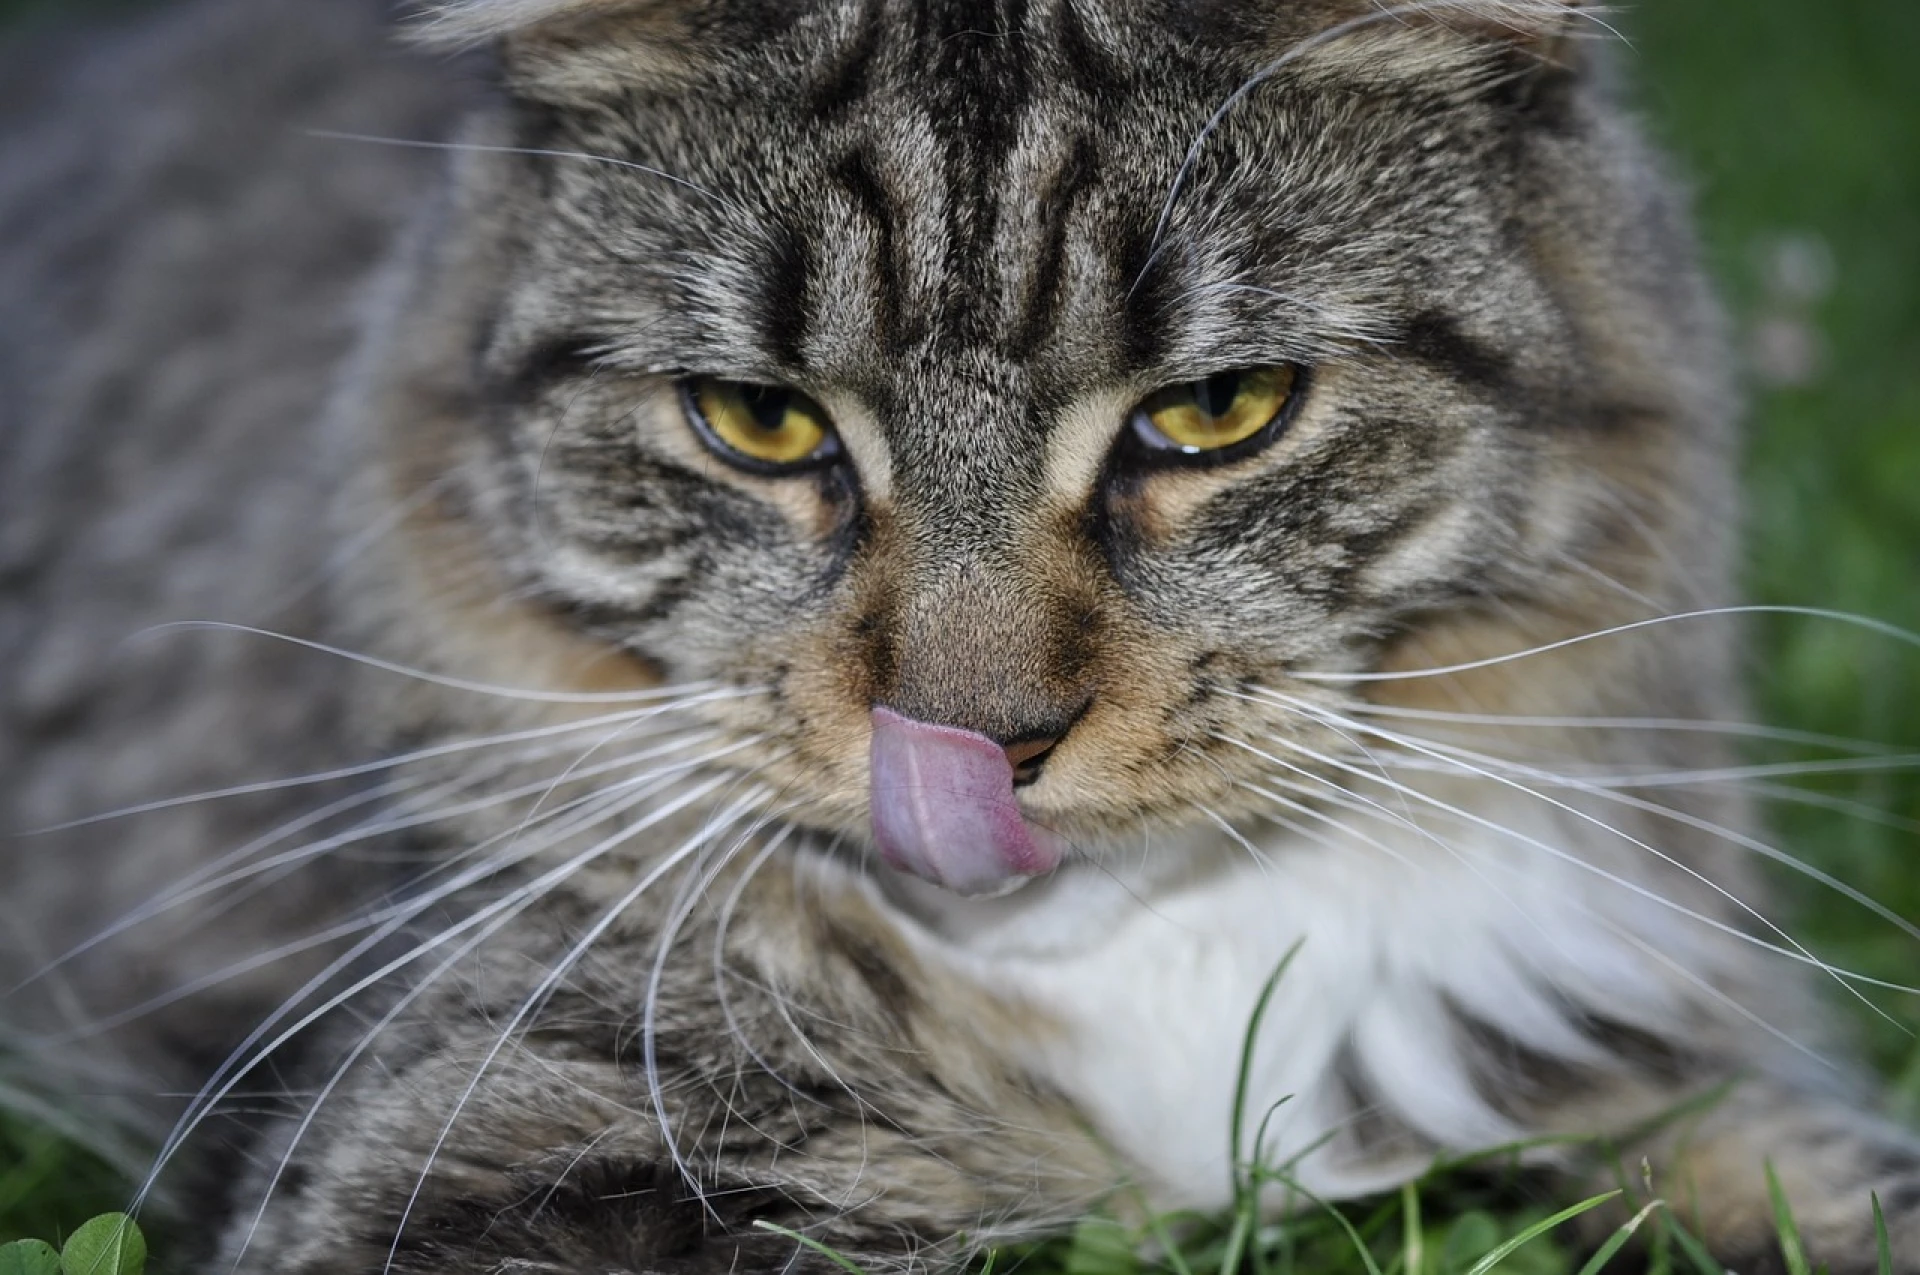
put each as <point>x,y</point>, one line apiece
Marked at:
<point>591,1018</point>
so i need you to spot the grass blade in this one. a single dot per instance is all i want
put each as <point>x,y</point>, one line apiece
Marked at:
<point>1157,1224</point>
<point>1880,1237</point>
<point>1247,1043</point>
<point>1246,1177</point>
<point>1353,1234</point>
<point>1790,1247</point>
<point>1237,1240</point>
<point>1618,1239</point>
<point>827,1251</point>
<point>1538,1229</point>
<point>1660,1252</point>
<point>1696,1252</point>
<point>1412,1238</point>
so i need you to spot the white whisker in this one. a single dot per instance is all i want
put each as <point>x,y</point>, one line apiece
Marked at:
<point>669,932</point>
<point>697,697</point>
<point>230,1072</point>
<point>388,921</point>
<point>1337,794</point>
<point>189,890</point>
<point>1793,950</point>
<point>1607,790</point>
<point>529,694</point>
<point>1608,780</point>
<point>1653,953</point>
<point>1624,883</point>
<point>1871,625</point>
<point>722,923</point>
<point>551,981</point>
<point>1839,805</point>
<point>1678,725</point>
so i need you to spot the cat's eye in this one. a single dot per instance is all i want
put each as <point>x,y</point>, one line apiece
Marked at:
<point>1219,417</point>
<point>767,429</point>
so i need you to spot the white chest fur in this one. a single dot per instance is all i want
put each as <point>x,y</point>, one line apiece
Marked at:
<point>1152,980</point>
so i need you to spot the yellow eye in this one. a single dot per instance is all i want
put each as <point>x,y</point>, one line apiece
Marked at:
<point>764,428</point>
<point>1207,416</point>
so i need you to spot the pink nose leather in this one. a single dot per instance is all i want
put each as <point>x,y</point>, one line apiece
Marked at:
<point>944,809</point>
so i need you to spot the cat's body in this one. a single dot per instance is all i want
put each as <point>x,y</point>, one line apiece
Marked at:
<point>141,366</point>
<point>632,981</point>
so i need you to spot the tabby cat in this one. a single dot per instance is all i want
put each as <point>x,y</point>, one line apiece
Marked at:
<point>676,613</point>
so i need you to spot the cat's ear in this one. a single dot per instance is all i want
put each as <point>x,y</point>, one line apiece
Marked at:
<point>567,50</point>
<point>1539,26</point>
<point>1545,32</point>
<point>479,21</point>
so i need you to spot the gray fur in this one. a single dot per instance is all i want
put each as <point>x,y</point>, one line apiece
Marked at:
<point>423,408</point>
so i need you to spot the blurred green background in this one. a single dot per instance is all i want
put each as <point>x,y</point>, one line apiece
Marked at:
<point>1798,126</point>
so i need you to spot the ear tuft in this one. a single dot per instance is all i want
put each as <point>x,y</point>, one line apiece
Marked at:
<point>465,22</point>
<point>570,51</point>
<point>1538,23</point>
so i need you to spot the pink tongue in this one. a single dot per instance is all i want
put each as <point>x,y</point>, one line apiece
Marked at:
<point>943,808</point>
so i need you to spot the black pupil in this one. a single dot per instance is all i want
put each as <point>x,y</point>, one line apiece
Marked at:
<point>1215,395</point>
<point>768,405</point>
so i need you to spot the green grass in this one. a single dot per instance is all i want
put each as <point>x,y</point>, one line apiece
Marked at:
<point>109,1244</point>
<point>1396,1235</point>
<point>48,1186</point>
<point>1797,124</point>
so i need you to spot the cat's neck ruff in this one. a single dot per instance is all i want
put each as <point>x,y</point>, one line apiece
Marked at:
<point>1150,973</point>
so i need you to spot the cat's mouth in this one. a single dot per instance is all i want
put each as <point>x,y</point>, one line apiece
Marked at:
<point>944,808</point>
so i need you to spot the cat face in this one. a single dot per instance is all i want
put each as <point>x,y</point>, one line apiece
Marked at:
<point>1059,373</point>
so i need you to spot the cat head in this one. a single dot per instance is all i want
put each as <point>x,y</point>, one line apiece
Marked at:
<point>1067,377</point>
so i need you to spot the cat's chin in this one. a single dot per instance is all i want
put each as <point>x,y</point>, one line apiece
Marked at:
<point>1074,908</point>
<point>988,891</point>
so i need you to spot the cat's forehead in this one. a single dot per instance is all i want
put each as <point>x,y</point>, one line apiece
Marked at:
<point>862,189</point>
<point>705,31</point>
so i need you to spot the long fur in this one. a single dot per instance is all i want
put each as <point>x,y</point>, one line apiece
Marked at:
<point>452,771</point>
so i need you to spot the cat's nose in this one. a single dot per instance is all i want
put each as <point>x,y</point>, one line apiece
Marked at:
<point>1028,754</point>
